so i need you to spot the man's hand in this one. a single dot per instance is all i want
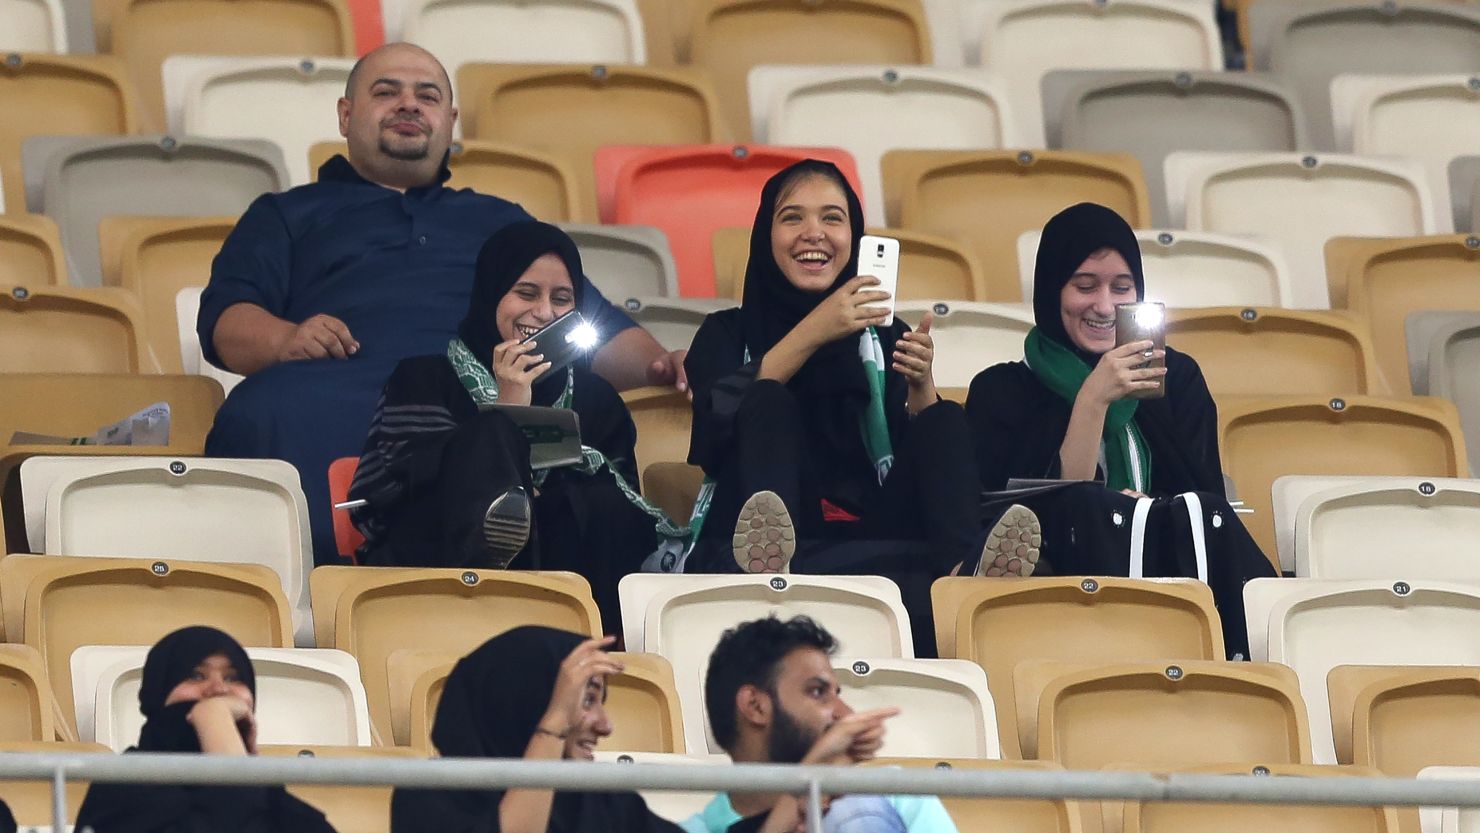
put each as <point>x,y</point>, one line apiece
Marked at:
<point>319,337</point>
<point>852,740</point>
<point>668,370</point>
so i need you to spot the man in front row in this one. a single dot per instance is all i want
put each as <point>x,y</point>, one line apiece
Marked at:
<point>771,697</point>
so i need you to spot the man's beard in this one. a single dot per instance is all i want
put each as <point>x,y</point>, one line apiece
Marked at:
<point>405,154</point>
<point>789,741</point>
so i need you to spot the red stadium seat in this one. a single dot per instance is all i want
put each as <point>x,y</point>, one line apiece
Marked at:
<point>347,539</point>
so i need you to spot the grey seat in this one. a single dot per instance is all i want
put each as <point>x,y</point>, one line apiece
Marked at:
<point>1464,190</point>
<point>1153,113</point>
<point>1454,373</point>
<point>79,181</point>
<point>626,261</point>
<point>1309,43</point>
<point>1420,330</point>
<point>672,321</point>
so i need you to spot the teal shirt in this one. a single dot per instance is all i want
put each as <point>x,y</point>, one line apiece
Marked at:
<point>920,813</point>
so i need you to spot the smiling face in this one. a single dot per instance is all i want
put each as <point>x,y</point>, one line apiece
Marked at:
<point>593,725</point>
<point>213,677</point>
<point>1087,302</point>
<point>542,294</point>
<point>811,238</point>
<point>397,116</point>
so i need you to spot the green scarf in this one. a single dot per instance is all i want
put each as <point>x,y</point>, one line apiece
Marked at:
<point>1127,459</point>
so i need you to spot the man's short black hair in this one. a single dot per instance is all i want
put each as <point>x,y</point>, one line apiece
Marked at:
<point>750,654</point>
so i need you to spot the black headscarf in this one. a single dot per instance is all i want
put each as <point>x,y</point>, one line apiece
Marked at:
<point>170,662</point>
<point>504,258</point>
<point>1068,239</point>
<point>491,704</point>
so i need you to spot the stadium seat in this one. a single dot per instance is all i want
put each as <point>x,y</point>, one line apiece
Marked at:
<point>689,192</point>
<point>1264,438</point>
<point>187,310</point>
<point>1428,331</point>
<point>672,487</point>
<point>682,617</point>
<point>1200,817</point>
<point>347,539</point>
<point>731,36</point>
<point>673,805</point>
<point>986,199</point>
<point>945,707</point>
<point>304,695</point>
<point>672,321</point>
<point>25,696</point>
<point>349,809</point>
<point>1388,280</point>
<point>61,95</point>
<point>1301,201</point>
<point>867,110</point>
<point>57,605</point>
<point>1434,118</point>
<point>200,509</point>
<point>1168,714</point>
<point>1255,351</point>
<point>1023,815</point>
<point>1151,114</point>
<point>84,180</point>
<point>31,251</point>
<point>1314,625</point>
<point>1452,819</point>
<point>1403,719</point>
<point>145,32</point>
<point>154,258</point>
<point>31,801</point>
<point>287,101</point>
<point>570,110</point>
<point>642,702</point>
<point>57,329</point>
<point>1310,44</point>
<point>1196,268</point>
<point>969,336</point>
<point>1464,191</point>
<point>625,261</point>
<point>999,625</point>
<point>372,613</point>
<point>33,26</point>
<point>663,417</point>
<point>417,679</point>
<point>1451,374</point>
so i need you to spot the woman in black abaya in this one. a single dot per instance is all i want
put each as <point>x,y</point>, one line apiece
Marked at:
<point>198,695</point>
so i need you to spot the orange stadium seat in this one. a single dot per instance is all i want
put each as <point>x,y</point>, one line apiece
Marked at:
<point>347,538</point>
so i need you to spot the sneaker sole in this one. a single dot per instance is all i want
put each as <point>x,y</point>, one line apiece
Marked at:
<point>506,528</point>
<point>764,539</point>
<point>1012,546</point>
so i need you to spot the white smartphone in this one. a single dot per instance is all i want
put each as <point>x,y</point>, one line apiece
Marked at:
<point>879,256</point>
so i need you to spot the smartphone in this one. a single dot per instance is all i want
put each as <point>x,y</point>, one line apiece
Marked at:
<point>1144,322</point>
<point>562,341</point>
<point>879,256</point>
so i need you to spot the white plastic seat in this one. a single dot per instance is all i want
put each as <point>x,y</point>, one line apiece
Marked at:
<point>196,509</point>
<point>868,110</point>
<point>672,321</point>
<point>1301,201</point>
<point>970,336</point>
<point>626,261</point>
<point>682,617</point>
<point>676,806</point>
<point>1314,625</point>
<point>287,101</point>
<point>33,26</point>
<point>309,696</point>
<point>187,309</point>
<point>1449,819</point>
<point>946,710</point>
<point>1196,268</point>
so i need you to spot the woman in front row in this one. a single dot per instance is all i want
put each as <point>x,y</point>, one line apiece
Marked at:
<point>1067,412</point>
<point>198,694</point>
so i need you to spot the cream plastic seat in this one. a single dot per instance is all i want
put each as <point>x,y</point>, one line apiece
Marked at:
<point>1404,719</point>
<point>681,617</point>
<point>1314,625</point>
<point>626,261</point>
<point>373,613</point>
<point>287,101</point>
<point>349,809</point>
<point>33,26</point>
<point>672,487</point>
<point>26,707</point>
<point>58,329</point>
<point>212,510</point>
<point>945,707</point>
<point>78,404</point>
<point>675,806</point>
<point>1449,819</point>
<point>1297,352</point>
<point>1024,815</point>
<point>1196,268</point>
<point>304,696</point>
<point>1164,817</point>
<point>1290,491</point>
<point>969,336</point>
<point>1301,201</point>
<point>845,106</point>
<point>187,309</point>
<point>1375,528</point>
<point>1000,625</point>
<point>672,321</point>
<point>663,417</point>
<point>1452,368</point>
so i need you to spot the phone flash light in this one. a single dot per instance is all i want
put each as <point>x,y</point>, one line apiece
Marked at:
<point>1148,315</point>
<point>584,337</point>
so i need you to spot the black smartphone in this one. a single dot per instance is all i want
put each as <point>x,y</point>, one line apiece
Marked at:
<point>562,341</point>
<point>1145,321</point>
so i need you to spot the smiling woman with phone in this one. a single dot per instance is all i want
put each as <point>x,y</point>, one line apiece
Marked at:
<point>446,473</point>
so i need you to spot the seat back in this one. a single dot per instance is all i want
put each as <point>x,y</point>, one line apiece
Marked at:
<point>348,809</point>
<point>642,702</point>
<point>1297,351</point>
<point>55,329</point>
<point>945,707</point>
<point>1153,817</point>
<point>1402,719</point>
<point>187,312</point>
<point>1433,118</point>
<point>78,404</point>
<point>347,539</point>
<point>34,26</point>
<point>672,321</point>
<point>672,487</point>
<point>1352,530</point>
<point>969,336</point>
<point>26,708</point>
<point>585,31</point>
<point>1433,330</point>
<point>31,251</point>
<point>1464,191</point>
<point>626,261</point>
<point>1451,374</point>
<point>663,418</point>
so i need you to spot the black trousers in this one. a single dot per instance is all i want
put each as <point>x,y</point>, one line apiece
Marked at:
<point>582,523</point>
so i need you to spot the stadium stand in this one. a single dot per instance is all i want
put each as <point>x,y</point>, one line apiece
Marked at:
<point>57,329</point>
<point>969,336</point>
<point>33,26</point>
<point>662,416</point>
<point>25,696</point>
<point>1298,351</point>
<point>31,251</point>
<point>349,809</point>
<point>626,261</point>
<point>945,706</point>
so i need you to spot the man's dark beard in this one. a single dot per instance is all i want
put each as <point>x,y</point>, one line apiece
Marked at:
<point>789,741</point>
<point>405,154</point>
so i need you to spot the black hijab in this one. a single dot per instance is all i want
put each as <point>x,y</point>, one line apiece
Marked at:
<point>491,704</point>
<point>1069,237</point>
<point>170,662</point>
<point>504,258</point>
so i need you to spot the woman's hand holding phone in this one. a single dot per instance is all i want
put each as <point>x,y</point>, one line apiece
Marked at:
<point>1119,373</point>
<point>850,310</point>
<point>515,367</point>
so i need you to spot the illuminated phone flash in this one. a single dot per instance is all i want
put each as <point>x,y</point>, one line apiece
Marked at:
<point>584,337</point>
<point>1149,315</point>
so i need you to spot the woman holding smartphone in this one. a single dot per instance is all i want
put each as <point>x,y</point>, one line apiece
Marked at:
<point>1070,410</point>
<point>815,422</point>
<point>447,481</point>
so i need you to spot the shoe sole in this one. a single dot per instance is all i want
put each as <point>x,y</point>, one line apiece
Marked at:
<point>764,539</point>
<point>1012,546</point>
<point>506,527</point>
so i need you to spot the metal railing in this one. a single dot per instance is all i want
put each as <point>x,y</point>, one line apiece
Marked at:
<point>813,781</point>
